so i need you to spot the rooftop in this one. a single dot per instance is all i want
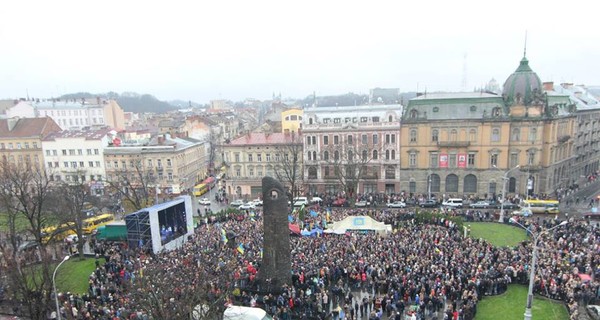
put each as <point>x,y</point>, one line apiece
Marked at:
<point>24,127</point>
<point>86,134</point>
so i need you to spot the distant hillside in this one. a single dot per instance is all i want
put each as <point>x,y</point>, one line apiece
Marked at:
<point>184,104</point>
<point>129,101</point>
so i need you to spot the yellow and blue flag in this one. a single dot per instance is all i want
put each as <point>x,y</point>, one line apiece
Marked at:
<point>240,248</point>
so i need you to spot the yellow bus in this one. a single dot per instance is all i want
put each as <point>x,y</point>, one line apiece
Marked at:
<point>200,189</point>
<point>90,224</point>
<point>541,206</point>
<point>57,233</point>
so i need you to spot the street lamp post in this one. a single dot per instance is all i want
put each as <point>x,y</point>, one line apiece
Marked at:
<point>504,178</point>
<point>535,238</point>
<point>54,286</point>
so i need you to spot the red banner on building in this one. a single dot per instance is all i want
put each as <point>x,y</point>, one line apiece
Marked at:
<point>462,160</point>
<point>444,160</point>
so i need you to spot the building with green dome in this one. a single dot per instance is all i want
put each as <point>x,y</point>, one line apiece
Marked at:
<point>462,144</point>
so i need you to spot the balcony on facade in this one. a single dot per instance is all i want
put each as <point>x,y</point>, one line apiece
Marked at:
<point>454,144</point>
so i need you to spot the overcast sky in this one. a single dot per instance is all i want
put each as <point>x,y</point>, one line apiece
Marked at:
<point>249,49</point>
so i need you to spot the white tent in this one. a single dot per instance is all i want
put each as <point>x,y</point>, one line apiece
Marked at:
<point>360,223</point>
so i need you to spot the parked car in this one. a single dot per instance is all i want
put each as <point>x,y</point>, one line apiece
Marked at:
<point>340,202</point>
<point>247,206</point>
<point>523,213</point>
<point>300,201</point>
<point>480,205</point>
<point>396,204</point>
<point>362,204</point>
<point>316,200</point>
<point>236,203</point>
<point>453,203</point>
<point>507,205</point>
<point>428,204</point>
<point>257,202</point>
<point>204,201</point>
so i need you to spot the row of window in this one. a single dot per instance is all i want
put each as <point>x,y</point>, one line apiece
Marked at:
<point>466,161</point>
<point>74,164</point>
<point>133,163</point>
<point>351,120</point>
<point>65,113</point>
<point>368,173</point>
<point>364,139</point>
<point>76,178</point>
<point>389,155</point>
<point>73,152</point>
<point>20,158</point>
<point>495,137</point>
<point>78,122</point>
<point>18,145</point>
<point>259,157</point>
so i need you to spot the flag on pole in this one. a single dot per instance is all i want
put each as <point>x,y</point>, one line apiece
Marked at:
<point>240,248</point>
<point>223,236</point>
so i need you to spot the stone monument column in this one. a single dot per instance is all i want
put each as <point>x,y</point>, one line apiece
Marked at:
<point>276,264</point>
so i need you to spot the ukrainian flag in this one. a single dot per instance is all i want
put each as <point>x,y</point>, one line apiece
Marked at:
<point>223,236</point>
<point>240,248</point>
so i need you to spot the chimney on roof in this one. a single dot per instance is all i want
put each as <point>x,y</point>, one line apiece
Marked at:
<point>161,139</point>
<point>548,86</point>
<point>12,122</point>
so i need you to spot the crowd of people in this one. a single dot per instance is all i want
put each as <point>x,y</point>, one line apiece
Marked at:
<point>420,270</point>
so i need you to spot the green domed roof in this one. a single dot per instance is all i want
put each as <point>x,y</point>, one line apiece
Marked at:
<point>521,86</point>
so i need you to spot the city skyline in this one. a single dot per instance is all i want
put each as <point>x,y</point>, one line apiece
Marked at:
<point>239,50</point>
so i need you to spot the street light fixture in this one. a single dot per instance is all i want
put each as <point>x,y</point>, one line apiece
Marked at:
<point>54,286</point>
<point>504,178</point>
<point>533,262</point>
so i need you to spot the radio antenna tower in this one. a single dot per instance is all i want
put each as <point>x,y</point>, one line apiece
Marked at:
<point>464,75</point>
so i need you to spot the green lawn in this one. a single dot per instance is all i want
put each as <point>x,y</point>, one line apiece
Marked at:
<point>500,235</point>
<point>511,305</point>
<point>73,275</point>
<point>21,222</point>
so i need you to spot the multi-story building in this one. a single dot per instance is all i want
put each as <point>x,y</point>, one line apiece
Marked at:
<point>586,150</point>
<point>252,156</point>
<point>21,139</point>
<point>367,136</point>
<point>465,143</point>
<point>172,165</point>
<point>77,156</point>
<point>16,108</point>
<point>77,114</point>
<point>291,120</point>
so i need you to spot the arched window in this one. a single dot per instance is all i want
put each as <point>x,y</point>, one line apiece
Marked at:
<point>310,120</point>
<point>435,135</point>
<point>516,134</point>
<point>314,155</point>
<point>365,155</point>
<point>309,156</point>
<point>325,155</point>
<point>350,155</point>
<point>533,134</point>
<point>472,135</point>
<point>495,135</point>
<point>336,155</point>
<point>452,183</point>
<point>413,114</point>
<point>375,155</point>
<point>435,182</point>
<point>496,112</point>
<point>390,118</point>
<point>387,154</point>
<point>312,172</point>
<point>413,135</point>
<point>512,185</point>
<point>470,184</point>
<point>453,135</point>
<point>393,154</point>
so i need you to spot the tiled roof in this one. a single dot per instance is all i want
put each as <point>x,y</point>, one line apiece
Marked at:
<point>260,138</point>
<point>24,127</point>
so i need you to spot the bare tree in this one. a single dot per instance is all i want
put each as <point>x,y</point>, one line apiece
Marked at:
<point>200,284</point>
<point>134,184</point>
<point>69,200</point>
<point>288,165</point>
<point>350,163</point>
<point>24,196</point>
